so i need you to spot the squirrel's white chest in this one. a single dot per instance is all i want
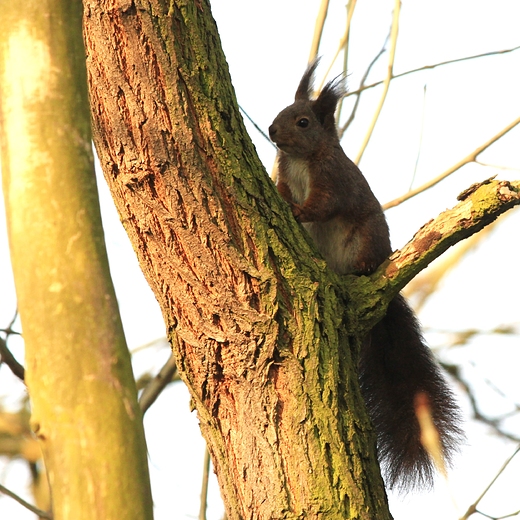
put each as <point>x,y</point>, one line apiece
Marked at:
<point>298,178</point>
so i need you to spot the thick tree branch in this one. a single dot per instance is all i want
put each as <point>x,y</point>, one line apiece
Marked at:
<point>479,206</point>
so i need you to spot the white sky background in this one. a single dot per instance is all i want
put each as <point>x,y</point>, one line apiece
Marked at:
<point>267,45</point>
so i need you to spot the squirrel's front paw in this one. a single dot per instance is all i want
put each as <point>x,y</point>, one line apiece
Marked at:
<point>296,211</point>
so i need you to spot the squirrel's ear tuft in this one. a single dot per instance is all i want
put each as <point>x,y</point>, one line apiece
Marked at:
<point>329,97</point>
<point>304,91</point>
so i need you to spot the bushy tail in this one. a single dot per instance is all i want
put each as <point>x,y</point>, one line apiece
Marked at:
<point>396,365</point>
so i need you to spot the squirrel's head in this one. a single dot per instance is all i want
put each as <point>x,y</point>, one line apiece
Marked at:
<point>308,125</point>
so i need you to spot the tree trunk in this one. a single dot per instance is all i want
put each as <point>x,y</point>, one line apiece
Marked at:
<point>255,319</point>
<point>78,371</point>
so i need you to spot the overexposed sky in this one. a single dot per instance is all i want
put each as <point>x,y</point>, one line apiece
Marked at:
<point>267,45</point>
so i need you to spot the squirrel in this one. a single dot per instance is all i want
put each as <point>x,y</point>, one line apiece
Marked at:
<point>330,196</point>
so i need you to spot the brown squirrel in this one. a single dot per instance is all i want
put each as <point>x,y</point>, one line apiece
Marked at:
<point>330,197</point>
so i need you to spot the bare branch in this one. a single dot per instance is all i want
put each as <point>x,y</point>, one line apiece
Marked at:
<point>30,507</point>
<point>422,287</point>
<point>386,84</point>
<point>473,508</point>
<point>262,133</point>
<point>477,413</point>
<point>7,357</point>
<point>343,43</point>
<point>468,159</point>
<point>435,65</point>
<point>205,482</point>
<point>152,391</point>
<point>421,133</point>
<point>498,166</point>
<point>352,116</point>
<point>318,30</point>
<point>479,206</point>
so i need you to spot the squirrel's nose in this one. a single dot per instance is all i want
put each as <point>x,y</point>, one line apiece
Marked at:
<point>272,131</point>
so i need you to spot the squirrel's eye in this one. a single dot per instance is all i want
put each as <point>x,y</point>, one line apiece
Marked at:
<point>303,122</point>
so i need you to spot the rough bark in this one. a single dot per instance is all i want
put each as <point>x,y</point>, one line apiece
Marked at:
<point>257,323</point>
<point>77,369</point>
<point>254,317</point>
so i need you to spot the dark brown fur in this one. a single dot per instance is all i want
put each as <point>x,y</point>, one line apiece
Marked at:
<point>330,197</point>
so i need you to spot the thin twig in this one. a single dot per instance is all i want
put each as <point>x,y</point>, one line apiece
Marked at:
<point>433,66</point>
<point>346,51</point>
<point>343,41</point>
<point>477,414</point>
<point>7,357</point>
<point>11,323</point>
<point>257,127</point>
<point>204,490</point>
<point>343,129</point>
<point>386,84</point>
<point>497,517</point>
<point>158,384</point>
<point>498,166</point>
<point>468,159</point>
<point>473,508</point>
<point>21,501</point>
<point>421,133</point>
<point>318,30</point>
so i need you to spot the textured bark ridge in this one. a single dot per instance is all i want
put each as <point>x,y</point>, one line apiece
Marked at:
<point>253,317</point>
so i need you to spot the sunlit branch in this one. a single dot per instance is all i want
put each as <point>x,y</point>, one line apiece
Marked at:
<point>386,84</point>
<point>350,11</point>
<point>422,287</point>
<point>318,30</point>
<point>468,159</point>
<point>343,41</point>
<point>478,206</point>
